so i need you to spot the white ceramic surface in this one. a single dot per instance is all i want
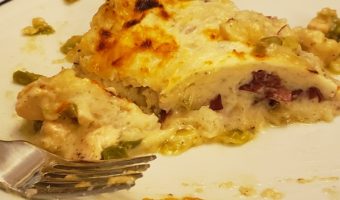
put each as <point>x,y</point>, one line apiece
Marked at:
<point>275,159</point>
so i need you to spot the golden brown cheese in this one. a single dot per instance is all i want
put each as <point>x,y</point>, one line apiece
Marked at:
<point>147,48</point>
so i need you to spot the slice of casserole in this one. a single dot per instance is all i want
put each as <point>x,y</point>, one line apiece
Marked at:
<point>210,72</point>
<point>176,58</point>
<point>78,119</point>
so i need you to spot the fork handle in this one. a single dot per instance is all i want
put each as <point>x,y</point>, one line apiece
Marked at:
<point>17,160</point>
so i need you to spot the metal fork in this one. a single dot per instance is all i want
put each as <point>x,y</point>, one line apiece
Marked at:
<point>3,2</point>
<point>35,173</point>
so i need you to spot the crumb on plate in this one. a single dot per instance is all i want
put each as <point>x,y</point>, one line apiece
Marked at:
<point>271,193</point>
<point>172,197</point>
<point>39,27</point>
<point>70,1</point>
<point>247,191</point>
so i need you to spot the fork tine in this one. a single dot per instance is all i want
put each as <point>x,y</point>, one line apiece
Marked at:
<point>49,176</point>
<point>102,164</point>
<point>93,180</point>
<point>4,1</point>
<point>64,178</point>
<point>59,190</point>
<point>62,173</point>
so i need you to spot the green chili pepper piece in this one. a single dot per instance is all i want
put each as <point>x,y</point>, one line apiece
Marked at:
<point>71,111</point>
<point>70,44</point>
<point>25,78</point>
<point>334,32</point>
<point>130,144</point>
<point>114,152</point>
<point>271,40</point>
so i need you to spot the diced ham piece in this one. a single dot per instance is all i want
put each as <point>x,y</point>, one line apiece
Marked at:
<point>216,103</point>
<point>314,92</point>
<point>268,84</point>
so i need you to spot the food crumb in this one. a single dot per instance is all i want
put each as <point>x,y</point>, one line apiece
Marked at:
<point>270,193</point>
<point>83,184</point>
<point>70,1</point>
<point>247,191</point>
<point>172,197</point>
<point>71,177</point>
<point>39,26</point>
<point>313,179</point>
<point>226,185</point>
<point>118,180</point>
<point>303,180</point>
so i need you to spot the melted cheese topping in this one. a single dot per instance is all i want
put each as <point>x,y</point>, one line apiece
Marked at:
<point>150,52</point>
<point>170,47</point>
<point>184,56</point>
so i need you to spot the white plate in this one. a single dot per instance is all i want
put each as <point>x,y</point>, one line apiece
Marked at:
<point>276,159</point>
